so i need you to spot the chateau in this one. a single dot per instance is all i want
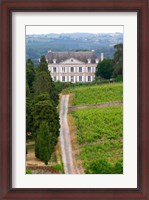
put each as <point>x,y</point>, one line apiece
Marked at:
<point>73,66</point>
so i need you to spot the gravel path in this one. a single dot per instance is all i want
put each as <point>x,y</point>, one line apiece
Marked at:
<point>65,137</point>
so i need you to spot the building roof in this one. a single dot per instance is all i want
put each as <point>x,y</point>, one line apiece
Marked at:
<point>79,55</point>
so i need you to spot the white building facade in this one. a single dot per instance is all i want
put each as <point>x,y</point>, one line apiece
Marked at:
<point>72,66</point>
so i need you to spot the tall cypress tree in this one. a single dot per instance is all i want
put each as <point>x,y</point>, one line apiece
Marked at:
<point>44,82</point>
<point>43,143</point>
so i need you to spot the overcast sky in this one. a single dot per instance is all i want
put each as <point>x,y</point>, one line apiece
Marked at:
<point>72,29</point>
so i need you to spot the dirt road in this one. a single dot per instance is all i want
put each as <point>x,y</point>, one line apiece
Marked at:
<point>65,137</point>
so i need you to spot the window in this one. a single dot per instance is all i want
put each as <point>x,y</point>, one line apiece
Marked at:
<point>63,69</point>
<point>72,79</point>
<point>54,78</point>
<point>80,78</point>
<point>80,69</point>
<point>54,69</point>
<point>63,78</point>
<point>89,78</point>
<point>89,69</point>
<point>72,69</point>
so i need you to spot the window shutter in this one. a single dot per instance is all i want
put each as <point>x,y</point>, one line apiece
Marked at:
<point>82,78</point>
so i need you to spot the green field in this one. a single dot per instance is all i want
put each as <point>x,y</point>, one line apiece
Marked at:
<point>96,93</point>
<point>100,136</point>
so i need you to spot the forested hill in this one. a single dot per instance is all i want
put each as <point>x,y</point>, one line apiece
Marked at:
<point>37,45</point>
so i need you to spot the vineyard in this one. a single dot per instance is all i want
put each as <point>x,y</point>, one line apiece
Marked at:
<point>99,130</point>
<point>99,133</point>
<point>96,93</point>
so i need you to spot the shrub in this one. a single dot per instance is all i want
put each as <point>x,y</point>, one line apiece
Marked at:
<point>119,78</point>
<point>59,167</point>
<point>28,171</point>
<point>100,166</point>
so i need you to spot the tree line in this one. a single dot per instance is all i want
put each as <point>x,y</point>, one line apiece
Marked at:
<point>111,68</point>
<point>42,119</point>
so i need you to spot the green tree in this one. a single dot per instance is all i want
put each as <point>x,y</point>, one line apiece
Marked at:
<point>27,90</point>
<point>44,82</point>
<point>29,117</point>
<point>30,73</point>
<point>43,65</point>
<point>44,143</point>
<point>45,111</point>
<point>104,69</point>
<point>41,107</point>
<point>118,60</point>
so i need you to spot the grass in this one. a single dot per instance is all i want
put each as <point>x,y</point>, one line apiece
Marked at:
<point>100,136</point>
<point>54,162</point>
<point>96,93</point>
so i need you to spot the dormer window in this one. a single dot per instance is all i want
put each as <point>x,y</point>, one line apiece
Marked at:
<point>96,60</point>
<point>54,61</point>
<point>71,60</point>
<point>89,60</point>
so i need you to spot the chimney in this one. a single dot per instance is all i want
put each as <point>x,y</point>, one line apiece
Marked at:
<point>102,57</point>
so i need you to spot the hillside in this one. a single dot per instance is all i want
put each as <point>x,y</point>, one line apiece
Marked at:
<point>37,45</point>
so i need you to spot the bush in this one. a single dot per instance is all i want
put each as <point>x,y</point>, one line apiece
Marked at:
<point>59,167</point>
<point>28,171</point>
<point>100,166</point>
<point>119,78</point>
